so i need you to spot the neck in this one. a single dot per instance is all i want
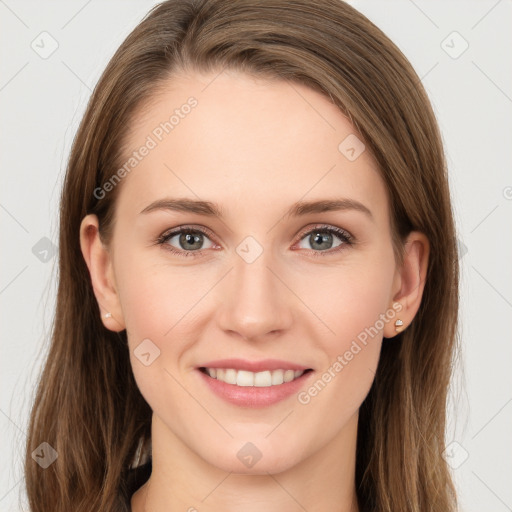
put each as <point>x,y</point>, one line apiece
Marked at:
<point>181,480</point>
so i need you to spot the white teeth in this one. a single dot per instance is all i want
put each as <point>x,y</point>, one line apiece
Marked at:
<point>289,375</point>
<point>256,379</point>
<point>230,376</point>
<point>243,378</point>
<point>263,379</point>
<point>277,377</point>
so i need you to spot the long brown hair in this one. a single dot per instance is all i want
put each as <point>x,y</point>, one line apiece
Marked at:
<point>88,406</point>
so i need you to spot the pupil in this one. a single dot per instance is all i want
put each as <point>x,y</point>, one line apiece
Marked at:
<point>319,238</point>
<point>188,238</point>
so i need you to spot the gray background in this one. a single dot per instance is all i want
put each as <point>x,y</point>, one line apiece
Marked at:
<point>42,98</point>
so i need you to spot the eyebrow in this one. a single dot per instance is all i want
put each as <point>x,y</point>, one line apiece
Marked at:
<point>298,209</point>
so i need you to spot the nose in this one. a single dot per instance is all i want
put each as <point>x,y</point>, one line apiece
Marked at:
<point>255,302</point>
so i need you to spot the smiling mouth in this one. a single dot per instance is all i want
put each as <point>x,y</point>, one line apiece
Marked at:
<point>244,378</point>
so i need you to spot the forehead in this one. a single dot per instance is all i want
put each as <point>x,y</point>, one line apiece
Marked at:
<point>247,144</point>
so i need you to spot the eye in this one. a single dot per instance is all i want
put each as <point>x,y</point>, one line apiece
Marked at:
<point>190,241</point>
<point>322,239</point>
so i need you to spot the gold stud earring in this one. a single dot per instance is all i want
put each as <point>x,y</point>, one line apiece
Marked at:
<point>398,325</point>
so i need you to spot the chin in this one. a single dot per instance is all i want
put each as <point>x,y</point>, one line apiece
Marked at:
<point>256,457</point>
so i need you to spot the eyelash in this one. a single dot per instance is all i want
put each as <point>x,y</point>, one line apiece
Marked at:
<point>345,237</point>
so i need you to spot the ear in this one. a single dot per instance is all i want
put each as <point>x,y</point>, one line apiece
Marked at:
<point>99,263</point>
<point>409,282</point>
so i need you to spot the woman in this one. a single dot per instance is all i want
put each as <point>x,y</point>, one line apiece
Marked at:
<point>258,295</point>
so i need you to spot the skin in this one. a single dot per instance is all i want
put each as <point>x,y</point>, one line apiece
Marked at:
<point>254,147</point>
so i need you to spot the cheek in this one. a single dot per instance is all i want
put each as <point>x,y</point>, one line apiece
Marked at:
<point>156,302</point>
<point>358,303</point>
<point>347,300</point>
<point>154,296</point>
<point>353,305</point>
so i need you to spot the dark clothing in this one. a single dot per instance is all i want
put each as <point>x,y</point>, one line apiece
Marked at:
<point>136,478</point>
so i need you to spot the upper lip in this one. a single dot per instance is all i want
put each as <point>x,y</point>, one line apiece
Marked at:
<point>254,366</point>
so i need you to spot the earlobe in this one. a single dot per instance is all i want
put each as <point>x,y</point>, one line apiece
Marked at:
<point>409,282</point>
<point>99,263</point>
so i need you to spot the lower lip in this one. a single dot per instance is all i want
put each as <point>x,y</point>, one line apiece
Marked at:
<point>254,396</point>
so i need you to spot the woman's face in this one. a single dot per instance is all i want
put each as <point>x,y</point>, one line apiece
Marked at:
<point>255,283</point>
